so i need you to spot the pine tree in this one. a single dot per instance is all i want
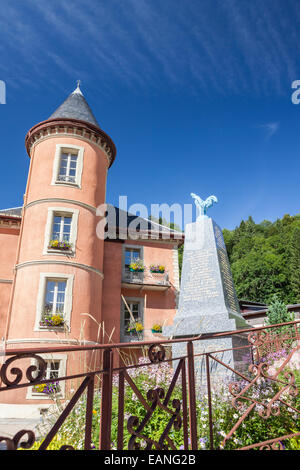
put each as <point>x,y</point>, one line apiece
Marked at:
<point>278,312</point>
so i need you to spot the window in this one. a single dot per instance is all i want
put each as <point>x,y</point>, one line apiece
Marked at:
<point>54,303</point>
<point>68,167</point>
<point>56,367</point>
<point>135,311</point>
<point>52,372</point>
<point>132,318</point>
<point>131,255</point>
<point>61,229</point>
<point>53,313</point>
<point>55,296</point>
<point>68,164</point>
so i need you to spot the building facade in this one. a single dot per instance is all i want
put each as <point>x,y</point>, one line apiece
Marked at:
<point>62,283</point>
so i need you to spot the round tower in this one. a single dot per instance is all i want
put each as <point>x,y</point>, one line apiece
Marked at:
<point>59,265</point>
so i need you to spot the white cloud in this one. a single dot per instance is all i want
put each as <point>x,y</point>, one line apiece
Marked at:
<point>222,47</point>
<point>270,129</point>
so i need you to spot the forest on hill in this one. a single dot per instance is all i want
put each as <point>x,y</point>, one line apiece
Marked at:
<point>265,259</point>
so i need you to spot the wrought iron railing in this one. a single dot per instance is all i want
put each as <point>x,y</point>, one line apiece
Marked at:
<point>176,400</point>
<point>146,277</point>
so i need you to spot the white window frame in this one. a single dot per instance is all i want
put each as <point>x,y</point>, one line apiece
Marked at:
<point>133,247</point>
<point>62,225</point>
<point>62,359</point>
<point>139,300</point>
<point>67,148</point>
<point>44,277</point>
<point>64,211</point>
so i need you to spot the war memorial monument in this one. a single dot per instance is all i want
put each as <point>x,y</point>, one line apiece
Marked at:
<point>207,300</point>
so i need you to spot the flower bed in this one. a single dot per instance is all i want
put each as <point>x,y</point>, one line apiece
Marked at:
<point>254,427</point>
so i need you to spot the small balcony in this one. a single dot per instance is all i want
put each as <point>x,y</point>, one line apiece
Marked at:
<point>145,280</point>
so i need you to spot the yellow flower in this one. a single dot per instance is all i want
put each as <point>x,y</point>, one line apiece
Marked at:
<point>39,388</point>
<point>56,319</point>
<point>139,327</point>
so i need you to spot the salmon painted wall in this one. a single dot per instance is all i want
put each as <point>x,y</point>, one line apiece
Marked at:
<point>86,299</point>
<point>95,165</point>
<point>8,249</point>
<point>111,300</point>
<point>85,264</point>
<point>159,306</point>
<point>5,291</point>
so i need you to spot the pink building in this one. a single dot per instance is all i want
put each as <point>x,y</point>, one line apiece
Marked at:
<point>60,283</point>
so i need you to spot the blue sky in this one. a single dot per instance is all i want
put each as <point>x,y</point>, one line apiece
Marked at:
<point>195,94</point>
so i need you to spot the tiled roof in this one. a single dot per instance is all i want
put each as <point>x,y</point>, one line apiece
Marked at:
<point>12,212</point>
<point>120,219</point>
<point>75,107</point>
<point>124,221</point>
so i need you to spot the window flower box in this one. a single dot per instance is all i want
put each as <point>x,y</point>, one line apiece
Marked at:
<point>135,328</point>
<point>57,245</point>
<point>50,320</point>
<point>49,388</point>
<point>137,267</point>
<point>156,328</point>
<point>157,268</point>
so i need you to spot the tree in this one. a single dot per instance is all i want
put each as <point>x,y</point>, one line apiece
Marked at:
<point>265,259</point>
<point>295,264</point>
<point>278,313</point>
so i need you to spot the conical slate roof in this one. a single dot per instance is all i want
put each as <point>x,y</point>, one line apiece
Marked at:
<point>75,107</point>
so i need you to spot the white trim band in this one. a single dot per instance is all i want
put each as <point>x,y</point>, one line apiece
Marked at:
<point>61,263</point>
<point>59,200</point>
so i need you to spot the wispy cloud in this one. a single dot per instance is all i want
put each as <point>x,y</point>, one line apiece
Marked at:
<point>221,47</point>
<point>270,128</point>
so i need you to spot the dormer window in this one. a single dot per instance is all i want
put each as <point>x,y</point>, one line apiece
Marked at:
<point>68,164</point>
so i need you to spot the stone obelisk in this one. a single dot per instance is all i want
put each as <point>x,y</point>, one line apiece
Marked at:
<point>207,300</point>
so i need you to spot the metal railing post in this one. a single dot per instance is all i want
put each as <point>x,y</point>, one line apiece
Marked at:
<point>89,414</point>
<point>192,396</point>
<point>211,437</point>
<point>106,400</point>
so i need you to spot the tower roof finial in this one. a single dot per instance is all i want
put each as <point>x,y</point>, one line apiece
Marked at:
<point>75,107</point>
<point>77,89</point>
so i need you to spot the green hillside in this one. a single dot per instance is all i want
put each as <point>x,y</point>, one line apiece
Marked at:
<point>265,259</point>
